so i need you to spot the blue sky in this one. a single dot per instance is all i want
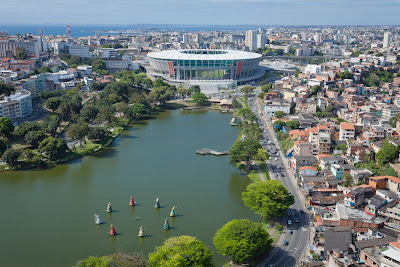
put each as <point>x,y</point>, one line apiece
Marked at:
<point>212,12</point>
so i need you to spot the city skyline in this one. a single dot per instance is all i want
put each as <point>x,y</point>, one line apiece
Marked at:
<point>209,12</point>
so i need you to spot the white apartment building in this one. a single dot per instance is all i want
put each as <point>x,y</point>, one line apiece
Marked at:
<point>79,50</point>
<point>387,37</point>
<point>107,52</point>
<point>313,69</point>
<point>271,109</point>
<point>347,131</point>
<point>251,40</point>
<point>17,106</point>
<point>304,52</point>
<point>390,112</point>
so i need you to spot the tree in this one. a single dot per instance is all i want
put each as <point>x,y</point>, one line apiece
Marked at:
<point>355,53</point>
<point>3,146</point>
<point>393,120</point>
<point>196,89</point>
<point>200,99</point>
<point>139,110</point>
<point>267,87</point>
<point>78,131</point>
<point>90,111</point>
<point>315,89</point>
<point>244,151</point>
<point>53,148</point>
<point>21,53</point>
<point>97,133</point>
<point>10,156</point>
<point>45,69</point>
<point>26,127</point>
<point>247,89</point>
<point>236,104</point>
<point>181,251</point>
<point>330,109</point>
<point>242,240</point>
<point>6,126</point>
<point>279,114</point>
<point>293,124</point>
<point>116,46</point>
<point>342,147</point>
<point>117,259</point>
<point>269,199</point>
<point>52,103</point>
<point>6,89</point>
<point>388,153</point>
<point>34,138</point>
<point>99,64</point>
<point>277,125</point>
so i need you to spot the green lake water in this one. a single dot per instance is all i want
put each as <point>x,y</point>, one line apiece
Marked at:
<point>47,215</point>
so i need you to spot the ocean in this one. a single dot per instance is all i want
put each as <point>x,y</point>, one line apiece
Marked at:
<point>86,30</point>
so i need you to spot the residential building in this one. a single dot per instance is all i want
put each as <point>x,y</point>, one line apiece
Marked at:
<point>390,112</point>
<point>346,131</point>
<point>17,106</point>
<point>38,84</point>
<point>78,50</point>
<point>324,143</point>
<point>251,40</point>
<point>387,37</point>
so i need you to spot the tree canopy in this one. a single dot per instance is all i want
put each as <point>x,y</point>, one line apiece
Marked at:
<point>246,151</point>
<point>387,153</point>
<point>242,240</point>
<point>269,199</point>
<point>293,124</point>
<point>6,89</point>
<point>181,251</point>
<point>52,147</point>
<point>10,156</point>
<point>6,126</point>
<point>279,114</point>
<point>200,99</point>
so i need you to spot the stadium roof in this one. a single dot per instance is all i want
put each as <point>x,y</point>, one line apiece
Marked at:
<point>204,54</point>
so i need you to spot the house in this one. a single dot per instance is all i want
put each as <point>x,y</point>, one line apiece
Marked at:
<point>326,161</point>
<point>302,148</point>
<point>306,120</point>
<point>308,171</point>
<point>391,257</point>
<point>374,203</point>
<point>301,161</point>
<point>346,131</point>
<point>356,198</point>
<point>360,175</point>
<point>391,211</point>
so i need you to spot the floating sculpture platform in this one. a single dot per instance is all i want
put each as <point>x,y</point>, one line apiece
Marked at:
<point>207,151</point>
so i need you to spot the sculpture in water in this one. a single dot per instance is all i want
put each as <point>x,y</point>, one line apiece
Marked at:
<point>97,219</point>
<point>166,224</point>
<point>141,232</point>
<point>131,202</point>
<point>173,212</point>
<point>112,230</point>
<point>157,205</point>
<point>109,209</point>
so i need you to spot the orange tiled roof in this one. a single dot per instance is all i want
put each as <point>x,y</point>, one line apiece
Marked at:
<point>347,126</point>
<point>396,244</point>
<point>307,168</point>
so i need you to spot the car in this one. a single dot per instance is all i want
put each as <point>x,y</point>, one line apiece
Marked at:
<point>297,220</point>
<point>285,243</point>
<point>289,222</point>
<point>289,213</point>
<point>276,158</point>
<point>290,232</point>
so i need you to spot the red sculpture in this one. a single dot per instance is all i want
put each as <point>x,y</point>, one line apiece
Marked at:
<point>112,230</point>
<point>131,202</point>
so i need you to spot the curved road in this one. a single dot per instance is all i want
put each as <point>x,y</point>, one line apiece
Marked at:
<point>293,253</point>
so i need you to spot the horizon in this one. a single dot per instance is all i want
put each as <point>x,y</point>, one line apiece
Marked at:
<point>207,12</point>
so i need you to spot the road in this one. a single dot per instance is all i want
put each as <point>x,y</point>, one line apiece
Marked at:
<point>293,253</point>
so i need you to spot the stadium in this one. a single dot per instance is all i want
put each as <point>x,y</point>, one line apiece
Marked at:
<point>211,69</point>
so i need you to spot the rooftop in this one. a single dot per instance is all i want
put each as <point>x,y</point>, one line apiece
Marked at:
<point>203,54</point>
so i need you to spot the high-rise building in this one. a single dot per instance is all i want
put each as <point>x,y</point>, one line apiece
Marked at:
<point>387,36</point>
<point>251,40</point>
<point>186,39</point>
<point>317,37</point>
<point>346,39</point>
<point>261,40</point>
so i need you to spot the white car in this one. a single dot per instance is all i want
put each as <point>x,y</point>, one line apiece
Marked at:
<point>289,222</point>
<point>276,158</point>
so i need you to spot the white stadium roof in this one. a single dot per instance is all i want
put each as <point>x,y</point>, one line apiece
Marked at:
<point>222,55</point>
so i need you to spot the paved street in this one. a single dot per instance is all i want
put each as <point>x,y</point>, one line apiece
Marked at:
<point>292,253</point>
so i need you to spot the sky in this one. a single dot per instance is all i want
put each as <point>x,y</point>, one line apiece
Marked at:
<point>202,12</point>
